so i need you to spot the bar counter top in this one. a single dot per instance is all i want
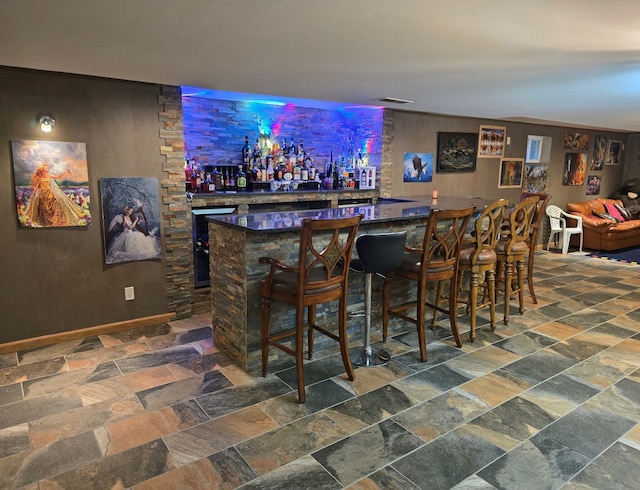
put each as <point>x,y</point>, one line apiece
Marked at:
<point>385,210</point>
<point>237,241</point>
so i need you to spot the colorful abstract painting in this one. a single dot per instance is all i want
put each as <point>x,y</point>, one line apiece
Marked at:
<point>576,141</point>
<point>575,167</point>
<point>599,152</point>
<point>536,178</point>
<point>593,185</point>
<point>51,183</point>
<point>130,219</point>
<point>457,152</point>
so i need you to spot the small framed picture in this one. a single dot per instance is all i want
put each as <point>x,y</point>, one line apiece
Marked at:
<point>510,173</point>
<point>492,141</point>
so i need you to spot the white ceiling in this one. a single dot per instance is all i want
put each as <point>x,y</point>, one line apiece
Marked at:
<point>568,62</point>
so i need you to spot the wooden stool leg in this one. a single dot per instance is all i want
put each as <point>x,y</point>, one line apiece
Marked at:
<point>344,346</point>
<point>490,279</point>
<point>453,309</point>
<point>420,310</point>
<point>265,317</point>
<point>508,275</point>
<point>520,276</point>
<point>473,303</point>
<point>299,351</point>
<point>311,318</point>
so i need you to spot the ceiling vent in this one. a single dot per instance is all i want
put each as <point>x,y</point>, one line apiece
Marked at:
<point>395,100</point>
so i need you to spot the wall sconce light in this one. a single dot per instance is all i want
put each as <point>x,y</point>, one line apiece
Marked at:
<point>46,123</point>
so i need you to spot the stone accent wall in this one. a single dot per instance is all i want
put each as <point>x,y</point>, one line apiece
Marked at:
<point>176,215</point>
<point>215,130</point>
<point>386,166</point>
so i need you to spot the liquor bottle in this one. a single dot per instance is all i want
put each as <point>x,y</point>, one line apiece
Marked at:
<point>246,149</point>
<point>241,179</point>
<point>293,150</point>
<point>304,170</point>
<point>227,179</point>
<point>218,180</point>
<point>209,184</point>
<point>280,172</point>
<point>270,171</point>
<point>296,171</point>
<point>301,152</point>
<point>285,148</point>
<point>232,179</point>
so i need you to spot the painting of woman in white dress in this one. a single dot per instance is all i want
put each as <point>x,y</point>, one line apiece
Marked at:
<point>131,219</point>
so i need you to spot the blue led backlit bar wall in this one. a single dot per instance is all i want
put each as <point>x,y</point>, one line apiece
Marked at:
<point>215,128</point>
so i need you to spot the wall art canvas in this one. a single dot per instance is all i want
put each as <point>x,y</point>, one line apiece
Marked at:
<point>599,152</point>
<point>130,219</point>
<point>536,178</point>
<point>418,167</point>
<point>614,150</point>
<point>492,141</point>
<point>511,170</point>
<point>457,152</point>
<point>576,141</point>
<point>51,183</point>
<point>593,185</point>
<point>575,166</point>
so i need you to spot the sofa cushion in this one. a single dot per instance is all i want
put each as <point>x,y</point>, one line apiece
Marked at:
<point>605,216</point>
<point>613,211</point>
<point>623,211</point>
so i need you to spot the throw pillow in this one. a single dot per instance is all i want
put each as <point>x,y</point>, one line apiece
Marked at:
<point>623,211</point>
<point>613,211</point>
<point>604,216</point>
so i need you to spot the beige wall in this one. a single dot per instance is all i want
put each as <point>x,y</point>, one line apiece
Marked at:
<point>418,132</point>
<point>55,280</point>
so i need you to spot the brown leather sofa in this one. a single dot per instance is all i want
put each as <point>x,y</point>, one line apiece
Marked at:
<point>604,234</point>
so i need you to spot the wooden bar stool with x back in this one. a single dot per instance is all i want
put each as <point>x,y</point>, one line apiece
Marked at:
<point>479,257</point>
<point>436,261</point>
<point>512,251</point>
<point>534,233</point>
<point>320,276</point>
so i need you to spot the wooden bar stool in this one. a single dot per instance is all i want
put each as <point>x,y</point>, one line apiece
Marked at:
<point>320,276</point>
<point>436,261</point>
<point>534,232</point>
<point>377,254</point>
<point>512,250</point>
<point>480,257</point>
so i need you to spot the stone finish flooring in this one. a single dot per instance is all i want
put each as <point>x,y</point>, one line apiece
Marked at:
<point>550,401</point>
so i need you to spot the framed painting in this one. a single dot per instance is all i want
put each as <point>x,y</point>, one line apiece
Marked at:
<point>614,151</point>
<point>575,167</point>
<point>511,170</point>
<point>492,141</point>
<point>418,167</point>
<point>536,178</point>
<point>51,184</point>
<point>593,185</point>
<point>457,152</point>
<point>130,219</point>
<point>599,152</point>
<point>576,141</point>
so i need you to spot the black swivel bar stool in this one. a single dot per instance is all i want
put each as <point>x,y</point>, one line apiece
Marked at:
<point>378,254</point>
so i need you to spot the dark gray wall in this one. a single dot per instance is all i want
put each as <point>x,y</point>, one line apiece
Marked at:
<point>55,280</point>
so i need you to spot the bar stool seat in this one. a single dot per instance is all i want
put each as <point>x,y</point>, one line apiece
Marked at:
<point>378,253</point>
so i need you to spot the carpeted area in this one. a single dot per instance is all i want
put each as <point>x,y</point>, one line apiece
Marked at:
<point>627,255</point>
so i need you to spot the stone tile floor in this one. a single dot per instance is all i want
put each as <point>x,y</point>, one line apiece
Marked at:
<point>551,400</point>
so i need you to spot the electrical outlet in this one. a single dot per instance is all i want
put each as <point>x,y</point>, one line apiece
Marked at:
<point>129,293</point>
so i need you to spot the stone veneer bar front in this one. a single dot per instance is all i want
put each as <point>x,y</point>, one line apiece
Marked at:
<point>237,241</point>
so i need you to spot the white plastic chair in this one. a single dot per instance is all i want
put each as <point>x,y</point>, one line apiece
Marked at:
<point>559,227</point>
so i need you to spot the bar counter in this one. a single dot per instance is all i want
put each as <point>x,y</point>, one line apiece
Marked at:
<point>237,241</point>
